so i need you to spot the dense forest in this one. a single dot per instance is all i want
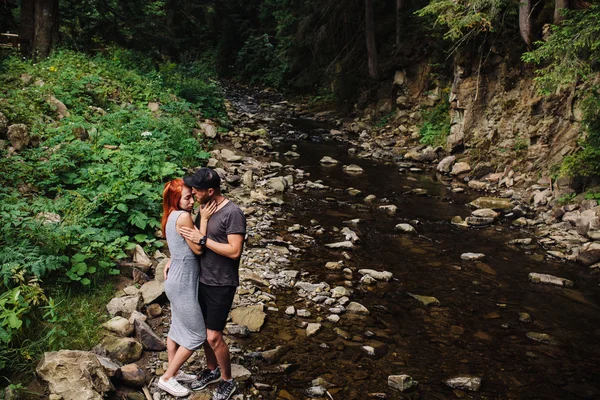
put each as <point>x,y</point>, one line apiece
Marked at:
<point>86,76</point>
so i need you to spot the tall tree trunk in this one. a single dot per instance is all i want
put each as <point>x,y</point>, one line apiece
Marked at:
<point>46,23</point>
<point>370,33</point>
<point>27,28</point>
<point>399,7</point>
<point>525,21</point>
<point>559,6</point>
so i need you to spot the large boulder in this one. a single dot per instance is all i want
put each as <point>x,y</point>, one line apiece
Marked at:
<point>495,203</point>
<point>589,253</point>
<point>152,291</point>
<point>124,350</point>
<point>124,306</point>
<point>141,258</point>
<point>587,220</point>
<point>146,336</point>
<point>18,135</point>
<point>119,325</point>
<point>133,375</point>
<point>74,375</point>
<point>252,316</point>
<point>445,165</point>
<point>209,128</point>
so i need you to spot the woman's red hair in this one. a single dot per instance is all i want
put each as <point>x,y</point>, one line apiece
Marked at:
<point>171,199</point>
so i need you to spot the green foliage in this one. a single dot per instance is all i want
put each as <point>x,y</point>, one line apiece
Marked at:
<point>385,119</point>
<point>571,52</point>
<point>566,198</point>
<point>465,20</point>
<point>436,124</point>
<point>258,62</point>
<point>570,56</point>
<point>74,204</point>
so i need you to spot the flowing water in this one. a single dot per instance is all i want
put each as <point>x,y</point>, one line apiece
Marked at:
<point>476,330</point>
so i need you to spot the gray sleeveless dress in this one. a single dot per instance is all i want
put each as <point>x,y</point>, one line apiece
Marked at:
<point>187,324</point>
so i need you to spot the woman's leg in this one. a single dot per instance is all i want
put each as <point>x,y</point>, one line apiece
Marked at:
<point>172,347</point>
<point>181,356</point>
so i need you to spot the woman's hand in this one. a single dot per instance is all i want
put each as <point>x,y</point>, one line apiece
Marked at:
<point>208,210</point>
<point>166,270</point>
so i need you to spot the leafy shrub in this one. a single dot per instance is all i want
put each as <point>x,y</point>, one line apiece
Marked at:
<point>101,169</point>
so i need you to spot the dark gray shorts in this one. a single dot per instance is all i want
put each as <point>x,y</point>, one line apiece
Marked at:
<point>215,302</point>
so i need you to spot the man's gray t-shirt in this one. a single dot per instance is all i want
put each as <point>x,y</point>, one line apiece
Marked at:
<point>215,269</point>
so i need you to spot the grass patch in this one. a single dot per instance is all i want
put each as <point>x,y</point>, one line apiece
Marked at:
<point>436,124</point>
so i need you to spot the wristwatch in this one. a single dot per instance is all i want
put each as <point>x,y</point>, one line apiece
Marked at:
<point>202,241</point>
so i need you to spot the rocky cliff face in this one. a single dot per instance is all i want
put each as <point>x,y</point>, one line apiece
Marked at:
<point>500,116</point>
<point>500,122</point>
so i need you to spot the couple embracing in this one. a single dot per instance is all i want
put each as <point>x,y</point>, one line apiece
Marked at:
<point>201,279</point>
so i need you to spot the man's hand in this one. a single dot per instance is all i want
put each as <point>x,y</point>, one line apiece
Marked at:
<point>191,234</point>
<point>166,270</point>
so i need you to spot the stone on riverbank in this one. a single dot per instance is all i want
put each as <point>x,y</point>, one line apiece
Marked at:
<point>347,245</point>
<point>152,291</point>
<point>133,375</point>
<point>312,329</point>
<point>74,375</point>
<point>472,256</point>
<point>353,169</point>
<point>589,254</point>
<point>146,336</point>
<point>549,279</point>
<point>470,383</point>
<point>119,325</point>
<point>390,209</point>
<point>251,316</point>
<point>329,161</point>
<point>495,203</point>
<point>377,275</point>
<point>312,287</point>
<point>402,383</point>
<point>124,306</point>
<point>445,166</point>
<point>542,338</point>
<point>124,350</point>
<point>460,168</point>
<point>237,330</point>
<point>406,228</point>
<point>425,300</point>
<point>356,308</point>
<point>240,373</point>
<point>141,258</point>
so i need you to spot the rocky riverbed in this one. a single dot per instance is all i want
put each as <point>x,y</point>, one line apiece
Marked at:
<point>366,275</point>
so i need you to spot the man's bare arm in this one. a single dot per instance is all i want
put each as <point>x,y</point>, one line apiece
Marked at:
<point>232,249</point>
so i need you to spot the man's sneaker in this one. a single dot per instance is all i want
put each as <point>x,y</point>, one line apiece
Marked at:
<point>207,377</point>
<point>185,378</point>
<point>224,390</point>
<point>173,387</point>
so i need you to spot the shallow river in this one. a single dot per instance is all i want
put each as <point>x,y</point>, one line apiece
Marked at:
<point>475,330</point>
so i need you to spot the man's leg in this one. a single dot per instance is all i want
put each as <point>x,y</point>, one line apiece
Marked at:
<point>220,351</point>
<point>211,359</point>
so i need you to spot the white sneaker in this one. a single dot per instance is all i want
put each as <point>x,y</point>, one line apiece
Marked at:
<point>173,387</point>
<point>185,378</point>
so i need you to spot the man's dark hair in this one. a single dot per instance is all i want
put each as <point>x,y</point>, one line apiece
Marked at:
<point>204,178</point>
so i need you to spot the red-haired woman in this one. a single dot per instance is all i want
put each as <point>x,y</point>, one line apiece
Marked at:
<point>187,332</point>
